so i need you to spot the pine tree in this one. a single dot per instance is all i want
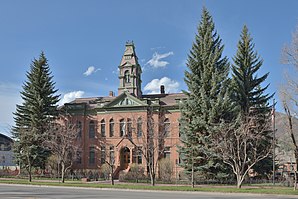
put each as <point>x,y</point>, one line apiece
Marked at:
<point>208,98</point>
<point>34,114</point>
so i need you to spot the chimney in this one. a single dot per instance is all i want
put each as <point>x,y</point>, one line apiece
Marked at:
<point>111,94</point>
<point>162,89</point>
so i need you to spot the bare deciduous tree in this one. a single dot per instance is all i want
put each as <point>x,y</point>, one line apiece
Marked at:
<point>152,142</point>
<point>289,91</point>
<point>61,141</point>
<point>241,145</point>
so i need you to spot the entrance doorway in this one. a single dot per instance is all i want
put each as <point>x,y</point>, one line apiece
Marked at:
<point>124,158</point>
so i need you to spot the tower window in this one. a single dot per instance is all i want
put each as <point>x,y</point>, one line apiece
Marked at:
<point>127,77</point>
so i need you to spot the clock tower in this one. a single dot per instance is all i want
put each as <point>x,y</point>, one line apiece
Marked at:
<point>130,72</point>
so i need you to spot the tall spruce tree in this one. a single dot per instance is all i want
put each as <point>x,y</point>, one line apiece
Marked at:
<point>34,114</point>
<point>249,95</point>
<point>208,99</point>
<point>248,91</point>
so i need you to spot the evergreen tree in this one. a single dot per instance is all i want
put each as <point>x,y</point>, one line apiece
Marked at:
<point>248,92</point>
<point>34,114</point>
<point>208,99</point>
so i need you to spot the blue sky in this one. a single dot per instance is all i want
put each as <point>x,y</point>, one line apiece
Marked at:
<point>84,41</point>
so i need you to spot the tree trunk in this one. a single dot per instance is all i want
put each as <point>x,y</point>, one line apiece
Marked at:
<point>295,169</point>
<point>152,178</point>
<point>29,174</point>
<point>289,117</point>
<point>112,175</point>
<point>239,181</point>
<point>62,171</point>
<point>295,180</point>
<point>29,168</point>
<point>192,176</point>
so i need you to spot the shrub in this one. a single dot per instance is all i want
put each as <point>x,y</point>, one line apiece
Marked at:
<point>135,172</point>
<point>165,169</point>
<point>106,171</point>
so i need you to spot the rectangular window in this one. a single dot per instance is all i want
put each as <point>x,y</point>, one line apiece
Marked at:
<point>129,128</point>
<point>112,155</point>
<point>79,129</point>
<point>139,128</point>
<point>79,157</point>
<point>167,128</point>
<point>167,152</point>
<point>122,128</point>
<point>92,129</point>
<point>103,155</point>
<point>137,155</point>
<point>91,155</point>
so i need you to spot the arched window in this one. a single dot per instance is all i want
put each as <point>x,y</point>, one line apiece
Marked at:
<point>103,128</point>
<point>129,128</point>
<point>166,127</point>
<point>126,77</point>
<point>79,129</point>
<point>91,129</point>
<point>139,128</point>
<point>122,128</point>
<point>111,127</point>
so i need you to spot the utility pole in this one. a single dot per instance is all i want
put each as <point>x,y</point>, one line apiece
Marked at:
<point>273,144</point>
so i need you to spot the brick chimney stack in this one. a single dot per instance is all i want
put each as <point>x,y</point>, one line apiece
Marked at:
<point>111,94</point>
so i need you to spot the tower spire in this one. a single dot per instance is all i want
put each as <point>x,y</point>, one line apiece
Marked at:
<point>130,72</point>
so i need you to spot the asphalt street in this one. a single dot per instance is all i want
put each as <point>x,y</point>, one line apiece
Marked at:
<point>44,192</point>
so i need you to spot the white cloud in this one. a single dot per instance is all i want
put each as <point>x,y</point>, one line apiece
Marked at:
<point>153,87</point>
<point>68,97</point>
<point>90,70</point>
<point>156,62</point>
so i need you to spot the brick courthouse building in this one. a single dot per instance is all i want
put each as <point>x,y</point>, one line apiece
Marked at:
<point>119,128</point>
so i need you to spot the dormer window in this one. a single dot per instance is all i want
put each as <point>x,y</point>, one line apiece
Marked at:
<point>127,77</point>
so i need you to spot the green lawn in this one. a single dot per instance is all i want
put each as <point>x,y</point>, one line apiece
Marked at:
<point>260,189</point>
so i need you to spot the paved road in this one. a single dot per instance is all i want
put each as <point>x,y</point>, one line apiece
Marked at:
<point>43,192</point>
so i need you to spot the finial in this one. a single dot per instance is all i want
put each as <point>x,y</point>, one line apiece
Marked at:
<point>129,43</point>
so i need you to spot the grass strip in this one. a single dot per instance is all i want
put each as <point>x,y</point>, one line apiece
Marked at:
<point>278,190</point>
